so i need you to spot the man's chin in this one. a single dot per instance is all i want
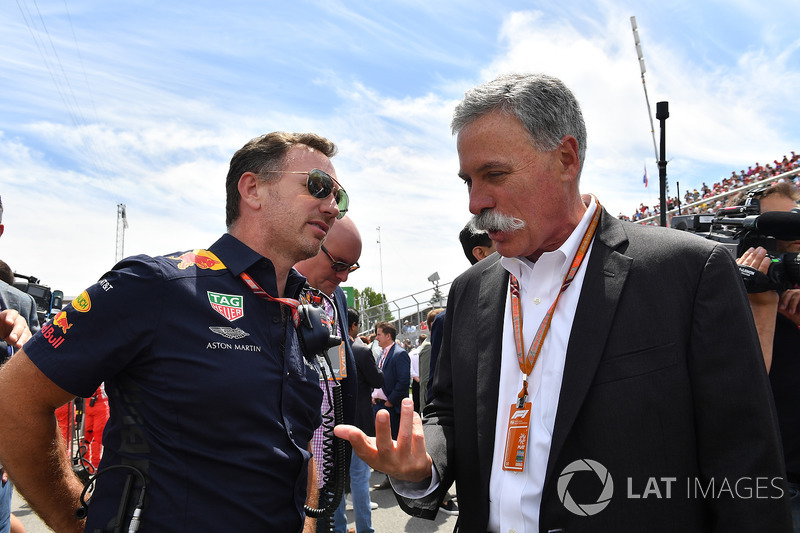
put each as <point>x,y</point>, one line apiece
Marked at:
<point>506,249</point>
<point>328,289</point>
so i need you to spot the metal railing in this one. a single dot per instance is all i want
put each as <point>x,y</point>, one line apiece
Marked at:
<point>414,308</point>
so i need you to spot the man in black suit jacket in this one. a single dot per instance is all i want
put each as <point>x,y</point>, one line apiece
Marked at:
<point>647,408</point>
<point>369,376</point>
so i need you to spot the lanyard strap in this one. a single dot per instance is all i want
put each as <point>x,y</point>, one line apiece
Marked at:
<point>526,363</point>
<point>291,303</point>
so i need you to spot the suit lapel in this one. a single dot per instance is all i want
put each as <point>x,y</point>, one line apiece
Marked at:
<point>491,311</point>
<point>605,278</point>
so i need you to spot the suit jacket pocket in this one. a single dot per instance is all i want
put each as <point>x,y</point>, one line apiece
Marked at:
<point>636,363</point>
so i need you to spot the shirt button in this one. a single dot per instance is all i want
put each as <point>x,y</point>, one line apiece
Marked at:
<point>512,531</point>
<point>276,319</point>
<point>537,301</point>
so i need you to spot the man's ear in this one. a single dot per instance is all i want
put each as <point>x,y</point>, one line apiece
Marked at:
<point>568,156</point>
<point>480,252</point>
<point>248,190</point>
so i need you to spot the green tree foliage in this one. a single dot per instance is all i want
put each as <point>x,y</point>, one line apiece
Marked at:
<point>371,305</point>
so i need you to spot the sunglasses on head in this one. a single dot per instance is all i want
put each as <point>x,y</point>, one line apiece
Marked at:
<point>321,185</point>
<point>340,266</point>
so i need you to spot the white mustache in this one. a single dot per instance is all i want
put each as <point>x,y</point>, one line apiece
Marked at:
<point>494,221</point>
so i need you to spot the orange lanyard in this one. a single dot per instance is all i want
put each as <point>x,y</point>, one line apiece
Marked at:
<point>291,303</point>
<point>526,363</point>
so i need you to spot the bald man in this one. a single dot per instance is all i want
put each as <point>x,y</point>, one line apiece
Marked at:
<point>336,260</point>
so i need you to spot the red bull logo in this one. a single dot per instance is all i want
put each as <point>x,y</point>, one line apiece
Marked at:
<point>199,258</point>
<point>49,333</point>
<point>60,320</point>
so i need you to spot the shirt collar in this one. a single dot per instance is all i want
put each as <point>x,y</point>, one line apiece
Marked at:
<point>238,257</point>
<point>519,265</point>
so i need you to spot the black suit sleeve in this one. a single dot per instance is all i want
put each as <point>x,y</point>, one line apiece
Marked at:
<point>366,366</point>
<point>736,430</point>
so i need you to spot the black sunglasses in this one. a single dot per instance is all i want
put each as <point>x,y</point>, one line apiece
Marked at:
<point>321,185</point>
<point>340,266</point>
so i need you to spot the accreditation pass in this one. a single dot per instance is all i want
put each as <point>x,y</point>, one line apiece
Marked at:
<point>517,438</point>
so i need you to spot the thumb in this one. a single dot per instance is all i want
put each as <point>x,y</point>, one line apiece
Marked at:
<point>350,433</point>
<point>363,446</point>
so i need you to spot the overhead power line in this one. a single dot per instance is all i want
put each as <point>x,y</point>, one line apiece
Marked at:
<point>58,74</point>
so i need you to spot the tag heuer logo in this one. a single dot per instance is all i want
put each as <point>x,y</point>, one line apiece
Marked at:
<point>231,306</point>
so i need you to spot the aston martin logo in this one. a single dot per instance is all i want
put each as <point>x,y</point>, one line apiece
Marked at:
<point>230,333</point>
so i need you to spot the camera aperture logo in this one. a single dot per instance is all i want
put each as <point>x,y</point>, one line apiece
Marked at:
<point>585,509</point>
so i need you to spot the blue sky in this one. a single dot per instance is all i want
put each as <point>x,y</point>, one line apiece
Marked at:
<point>143,103</point>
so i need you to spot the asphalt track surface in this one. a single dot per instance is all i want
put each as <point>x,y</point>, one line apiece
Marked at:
<point>388,518</point>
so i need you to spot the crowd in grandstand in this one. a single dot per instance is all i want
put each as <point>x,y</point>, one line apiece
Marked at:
<point>753,174</point>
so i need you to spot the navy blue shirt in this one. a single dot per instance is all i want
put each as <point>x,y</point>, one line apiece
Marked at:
<point>210,395</point>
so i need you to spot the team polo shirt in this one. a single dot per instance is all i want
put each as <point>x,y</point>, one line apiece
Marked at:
<point>210,395</point>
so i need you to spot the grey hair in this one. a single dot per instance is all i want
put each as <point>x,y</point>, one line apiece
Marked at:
<point>543,104</point>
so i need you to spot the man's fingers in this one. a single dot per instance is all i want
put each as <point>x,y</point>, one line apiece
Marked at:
<point>363,446</point>
<point>755,258</point>
<point>14,328</point>
<point>350,433</point>
<point>406,425</point>
<point>383,431</point>
<point>24,337</point>
<point>746,257</point>
<point>358,439</point>
<point>7,319</point>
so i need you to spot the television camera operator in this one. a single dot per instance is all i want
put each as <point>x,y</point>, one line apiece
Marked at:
<point>776,311</point>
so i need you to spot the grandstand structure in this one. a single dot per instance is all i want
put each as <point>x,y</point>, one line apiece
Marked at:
<point>709,204</point>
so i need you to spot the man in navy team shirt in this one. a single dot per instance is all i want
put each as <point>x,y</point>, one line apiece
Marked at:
<point>212,401</point>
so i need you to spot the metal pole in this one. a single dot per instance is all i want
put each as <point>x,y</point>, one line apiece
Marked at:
<point>662,114</point>
<point>380,265</point>
<point>122,225</point>
<point>642,68</point>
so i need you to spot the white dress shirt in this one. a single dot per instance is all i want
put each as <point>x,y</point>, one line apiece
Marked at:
<point>377,394</point>
<point>514,497</point>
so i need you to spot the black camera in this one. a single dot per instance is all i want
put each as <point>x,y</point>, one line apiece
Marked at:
<point>742,227</point>
<point>46,300</point>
